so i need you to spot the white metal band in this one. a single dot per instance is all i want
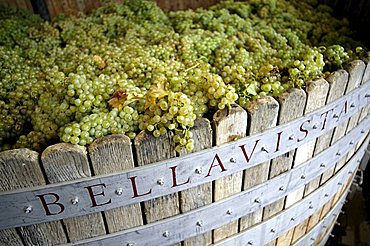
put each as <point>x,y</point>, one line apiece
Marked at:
<point>247,202</point>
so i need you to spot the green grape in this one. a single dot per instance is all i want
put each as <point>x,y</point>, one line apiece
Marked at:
<point>128,67</point>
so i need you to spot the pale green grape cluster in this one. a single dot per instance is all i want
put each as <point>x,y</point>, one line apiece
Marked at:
<point>132,67</point>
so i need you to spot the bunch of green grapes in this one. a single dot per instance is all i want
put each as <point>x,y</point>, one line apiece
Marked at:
<point>131,67</point>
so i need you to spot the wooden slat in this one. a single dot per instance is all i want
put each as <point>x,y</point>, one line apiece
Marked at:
<point>200,195</point>
<point>355,70</point>
<point>300,230</point>
<point>112,154</point>
<point>313,220</point>
<point>263,114</point>
<point>365,79</point>
<point>292,105</point>
<point>229,124</point>
<point>338,82</point>
<point>316,91</point>
<point>150,149</point>
<point>20,168</point>
<point>51,8</point>
<point>21,4</point>
<point>66,162</point>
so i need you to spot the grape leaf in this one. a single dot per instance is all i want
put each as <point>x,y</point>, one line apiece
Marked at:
<point>156,91</point>
<point>121,98</point>
<point>251,89</point>
<point>100,62</point>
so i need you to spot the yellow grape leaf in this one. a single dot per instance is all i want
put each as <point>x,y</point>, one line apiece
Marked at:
<point>156,91</point>
<point>101,63</point>
<point>121,98</point>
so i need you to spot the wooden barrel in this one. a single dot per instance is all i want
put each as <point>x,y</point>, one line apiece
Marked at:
<point>276,173</point>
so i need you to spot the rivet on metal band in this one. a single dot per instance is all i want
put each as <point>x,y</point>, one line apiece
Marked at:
<point>160,181</point>
<point>199,223</point>
<point>264,149</point>
<point>27,209</point>
<point>198,171</point>
<point>74,201</point>
<point>119,191</point>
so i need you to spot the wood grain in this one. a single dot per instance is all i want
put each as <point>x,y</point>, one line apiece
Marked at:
<point>66,162</point>
<point>365,79</point>
<point>150,149</point>
<point>355,70</point>
<point>20,168</point>
<point>229,125</point>
<point>111,154</point>
<point>292,105</point>
<point>263,114</point>
<point>200,195</point>
<point>338,82</point>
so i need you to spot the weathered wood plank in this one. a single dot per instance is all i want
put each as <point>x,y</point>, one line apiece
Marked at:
<point>292,104</point>
<point>112,154</point>
<point>263,114</point>
<point>66,162</point>
<point>313,220</point>
<point>300,230</point>
<point>285,239</point>
<point>229,125</point>
<point>51,8</point>
<point>200,195</point>
<point>365,79</point>
<point>316,91</point>
<point>150,149</point>
<point>338,83</point>
<point>20,168</point>
<point>355,70</point>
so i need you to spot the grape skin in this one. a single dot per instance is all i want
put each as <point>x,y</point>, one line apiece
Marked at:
<point>57,78</point>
